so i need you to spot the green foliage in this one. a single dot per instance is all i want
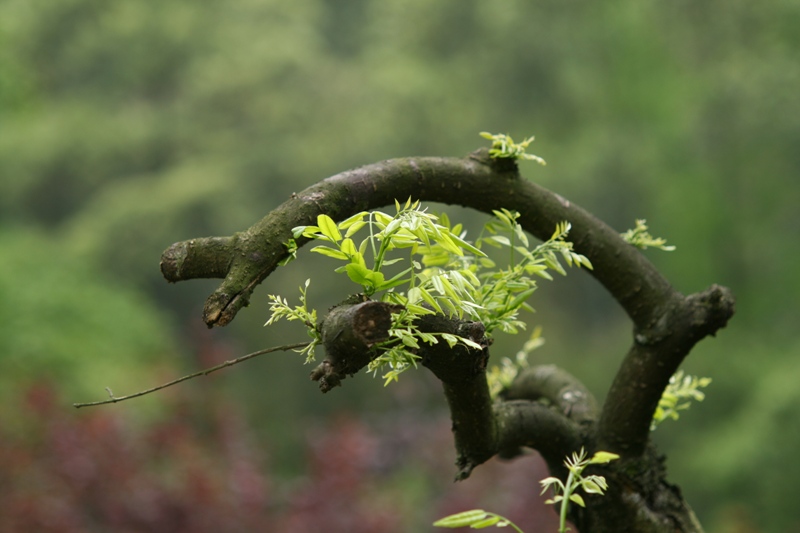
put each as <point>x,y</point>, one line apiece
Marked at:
<point>504,291</point>
<point>566,492</point>
<point>445,274</point>
<point>641,238</point>
<point>65,323</point>
<point>280,309</point>
<point>676,397</point>
<point>504,147</point>
<point>475,519</point>
<point>563,493</point>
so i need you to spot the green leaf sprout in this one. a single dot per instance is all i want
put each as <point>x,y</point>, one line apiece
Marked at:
<point>641,238</point>
<point>280,309</point>
<point>475,519</point>
<point>677,397</point>
<point>565,492</point>
<point>437,271</point>
<point>504,147</point>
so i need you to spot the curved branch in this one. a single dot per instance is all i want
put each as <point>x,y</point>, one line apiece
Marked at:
<point>476,181</point>
<point>656,354</point>
<point>534,425</point>
<point>558,387</point>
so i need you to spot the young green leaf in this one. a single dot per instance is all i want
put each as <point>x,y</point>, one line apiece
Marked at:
<point>330,252</point>
<point>487,522</point>
<point>328,228</point>
<point>577,499</point>
<point>463,519</point>
<point>603,458</point>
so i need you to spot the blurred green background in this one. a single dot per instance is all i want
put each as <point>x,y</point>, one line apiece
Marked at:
<point>127,125</point>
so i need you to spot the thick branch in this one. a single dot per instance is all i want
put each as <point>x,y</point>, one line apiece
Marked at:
<point>656,354</point>
<point>666,326</point>
<point>475,181</point>
<point>559,388</point>
<point>534,425</point>
<point>349,333</point>
<point>208,257</point>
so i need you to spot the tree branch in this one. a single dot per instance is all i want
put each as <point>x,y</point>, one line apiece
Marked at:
<point>656,354</point>
<point>534,425</point>
<point>476,181</point>
<point>545,408</point>
<point>204,372</point>
<point>559,388</point>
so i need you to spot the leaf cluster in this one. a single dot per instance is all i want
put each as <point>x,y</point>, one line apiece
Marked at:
<point>564,493</point>
<point>440,272</point>
<point>504,291</point>
<point>504,147</point>
<point>677,395</point>
<point>641,238</point>
<point>280,308</point>
<point>591,484</point>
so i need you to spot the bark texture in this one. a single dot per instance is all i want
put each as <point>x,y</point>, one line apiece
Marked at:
<point>546,408</point>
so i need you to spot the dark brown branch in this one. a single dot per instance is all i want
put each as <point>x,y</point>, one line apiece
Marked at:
<point>559,388</point>
<point>546,409</point>
<point>534,425</point>
<point>207,257</point>
<point>475,181</point>
<point>349,331</point>
<point>656,354</point>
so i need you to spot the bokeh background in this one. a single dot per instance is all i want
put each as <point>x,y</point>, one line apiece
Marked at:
<point>127,125</point>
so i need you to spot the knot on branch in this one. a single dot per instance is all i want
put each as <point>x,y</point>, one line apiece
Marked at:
<point>498,164</point>
<point>692,318</point>
<point>349,332</point>
<point>711,309</point>
<point>460,362</point>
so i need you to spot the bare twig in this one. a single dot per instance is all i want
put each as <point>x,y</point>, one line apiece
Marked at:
<point>205,372</point>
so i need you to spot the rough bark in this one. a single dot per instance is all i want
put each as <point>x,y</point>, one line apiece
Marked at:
<point>546,408</point>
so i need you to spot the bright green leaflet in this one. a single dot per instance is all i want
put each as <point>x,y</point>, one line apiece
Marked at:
<point>641,238</point>
<point>677,395</point>
<point>504,147</point>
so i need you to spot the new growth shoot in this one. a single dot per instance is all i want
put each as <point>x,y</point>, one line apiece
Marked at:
<point>504,147</point>
<point>563,494</point>
<point>439,272</point>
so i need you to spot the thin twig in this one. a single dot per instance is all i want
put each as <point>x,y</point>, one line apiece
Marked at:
<point>205,372</point>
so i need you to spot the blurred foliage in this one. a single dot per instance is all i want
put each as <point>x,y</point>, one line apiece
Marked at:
<point>200,469</point>
<point>126,125</point>
<point>64,323</point>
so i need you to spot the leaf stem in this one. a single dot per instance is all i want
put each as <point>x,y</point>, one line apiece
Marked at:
<point>568,488</point>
